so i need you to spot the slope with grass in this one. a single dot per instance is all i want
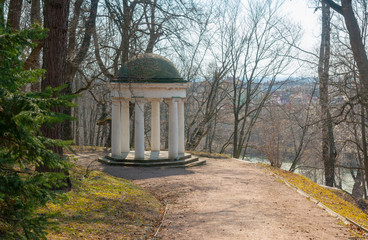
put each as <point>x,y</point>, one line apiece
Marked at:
<point>104,207</point>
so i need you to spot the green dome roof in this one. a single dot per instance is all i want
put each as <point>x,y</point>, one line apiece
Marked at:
<point>150,68</point>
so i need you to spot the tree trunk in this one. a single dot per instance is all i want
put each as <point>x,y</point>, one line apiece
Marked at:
<point>328,146</point>
<point>364,144</point>
<point>357,191</point>
<point>357,46</point>
<point>73,27</point>
<point>132,120</point>
<point>36,12</point>
<point>356,42</point>
<point>126,31</point>
<point>76,127</point>
<point>54,51</point>
<point>72,65</point>
<point>34,58</point>
<point>153,32</point>
<point>54,62</point>
<point>2,19</point>
<point>236,153</point>
<point>14,14</point>
<point>108,139</point>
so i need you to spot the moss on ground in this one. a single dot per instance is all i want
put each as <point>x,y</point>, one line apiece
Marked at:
<point>323,195</point>
<point>80,149</point>
<point>104,207</point>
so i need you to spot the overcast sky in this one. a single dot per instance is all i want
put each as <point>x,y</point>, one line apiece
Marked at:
<point>302,12</point>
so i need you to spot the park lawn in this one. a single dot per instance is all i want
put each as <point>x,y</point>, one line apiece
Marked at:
<point>323,195</point>
<point>104,207</point>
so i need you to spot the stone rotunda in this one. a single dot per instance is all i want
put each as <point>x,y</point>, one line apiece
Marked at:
<point>148,79</point>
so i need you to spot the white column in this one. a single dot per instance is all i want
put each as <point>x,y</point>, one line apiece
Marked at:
<point>139,129</point>
<point>181,127</point>
<point>115,131</point>
<point>155,125</point>
<point>173,129</point>
<point>125,136</point>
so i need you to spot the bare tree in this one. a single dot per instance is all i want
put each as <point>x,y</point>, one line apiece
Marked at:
<point>328,141</point>
<point>356,42</point>
<point>272,140</point>
<point>357,36</point>
<point>258,55</point>
<point>302,119</point>
<point>74,60</point>
<point>207,98</point>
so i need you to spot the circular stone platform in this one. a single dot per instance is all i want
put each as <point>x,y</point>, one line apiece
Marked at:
<point>153,159</point>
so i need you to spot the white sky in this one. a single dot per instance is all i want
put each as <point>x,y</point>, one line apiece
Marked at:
<point>302,12</point>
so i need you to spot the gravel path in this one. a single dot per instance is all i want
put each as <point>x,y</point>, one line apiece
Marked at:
<point>230,199</point>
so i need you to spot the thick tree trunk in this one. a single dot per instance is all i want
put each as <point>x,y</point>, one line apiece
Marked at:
<point>36,12</point>
<point>54,61</point>
<point>357,47</point>
<point>356,42</point>
<point>359,53</point>
<point>14,13</point>
<point>328,146</point>
<point>54,50</point>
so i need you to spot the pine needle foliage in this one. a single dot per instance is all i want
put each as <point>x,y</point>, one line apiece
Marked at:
<point>22,146</point>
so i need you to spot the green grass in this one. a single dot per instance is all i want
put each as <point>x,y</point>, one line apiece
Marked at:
<point>83,149</point>
<point>104,207</point>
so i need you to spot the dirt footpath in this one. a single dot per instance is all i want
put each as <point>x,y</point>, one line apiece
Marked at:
<point>230,199</point>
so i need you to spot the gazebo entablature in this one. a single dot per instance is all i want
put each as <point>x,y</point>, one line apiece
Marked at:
<point>148,90</point>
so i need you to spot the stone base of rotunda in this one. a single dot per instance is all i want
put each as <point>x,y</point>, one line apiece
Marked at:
<point>152,159</point>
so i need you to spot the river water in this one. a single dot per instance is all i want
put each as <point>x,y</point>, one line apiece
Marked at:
<point>344,177</point>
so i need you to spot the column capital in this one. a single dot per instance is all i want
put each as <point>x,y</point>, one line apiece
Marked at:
<point>125,99</point>
<point>115,101</point>
<point>155,99</point>
<point>173,99</point>
<point>120,99</point>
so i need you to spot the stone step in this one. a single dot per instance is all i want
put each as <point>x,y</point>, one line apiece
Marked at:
<point>144,163</point>
<point>192,164</point>
<point>147,160</point>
